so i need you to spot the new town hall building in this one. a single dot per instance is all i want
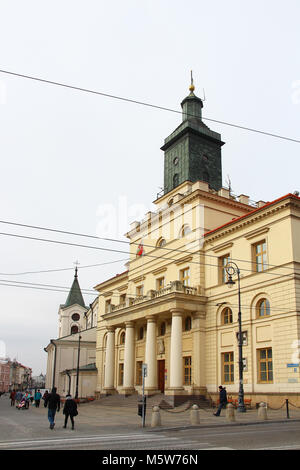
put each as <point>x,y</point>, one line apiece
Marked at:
<point>172,309</point>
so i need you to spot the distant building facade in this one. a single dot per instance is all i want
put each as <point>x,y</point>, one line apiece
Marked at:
<point>76,338</point>
<point>4,376</point>
<point>20,376</point>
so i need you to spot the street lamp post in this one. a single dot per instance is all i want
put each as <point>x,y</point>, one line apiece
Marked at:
<point>77,375</point>
<point>232,269</point>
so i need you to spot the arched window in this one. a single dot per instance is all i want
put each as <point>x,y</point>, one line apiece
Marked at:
<point>122,337</point>
<point>74,329</point>
<point>175,180</point>
<point>188,324</point>
<point>160,242</point>
<point>162,329</point>
<point>226,316</point>
<point>263,308</point>
<point>185,230</point>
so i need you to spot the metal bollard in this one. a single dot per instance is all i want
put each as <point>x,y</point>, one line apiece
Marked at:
<point>230,412</point>
<point>155,418</point>
<point>262,411</point>
<point>287,408</point>
<point>195,419</point>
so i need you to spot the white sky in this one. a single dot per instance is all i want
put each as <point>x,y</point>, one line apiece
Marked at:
<point>65,155</point>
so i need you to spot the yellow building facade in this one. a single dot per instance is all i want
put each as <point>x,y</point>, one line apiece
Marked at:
<point>172,309</point>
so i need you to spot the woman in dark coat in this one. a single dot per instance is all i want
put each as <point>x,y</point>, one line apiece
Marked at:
<point>70,409</point>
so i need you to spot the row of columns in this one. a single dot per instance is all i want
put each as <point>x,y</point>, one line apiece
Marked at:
<point>176,369</point>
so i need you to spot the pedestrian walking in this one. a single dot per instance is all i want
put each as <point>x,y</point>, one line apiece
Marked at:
<point>18,396</point>
<point>223,400</point>
<point>53,403</point>
<point>70,409</point>
<point>45,396</point>
<point>37,398</point>
<point>12,397</point>
<point>27,400</point>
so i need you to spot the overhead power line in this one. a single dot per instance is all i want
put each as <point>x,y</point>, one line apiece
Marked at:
<point>129,100</point>
<point>120,251</point>
<point>46,287</point>
<point>95,237</point>
<point>35,284</point>
<point>10,284</point>
<point>63,269</point>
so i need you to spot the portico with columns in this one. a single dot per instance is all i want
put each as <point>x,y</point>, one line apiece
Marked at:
<point>153,332</point>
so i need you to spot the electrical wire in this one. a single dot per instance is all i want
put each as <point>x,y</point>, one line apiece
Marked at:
<point>86,90</point>
<point>83,290</point>
<point>132,243</point>
<point>63,269</point>
<point>41,288</point>
<point>119,251</point>
<point>63,289</point>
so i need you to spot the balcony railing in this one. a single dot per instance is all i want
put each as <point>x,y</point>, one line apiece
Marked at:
<point>174,286</point>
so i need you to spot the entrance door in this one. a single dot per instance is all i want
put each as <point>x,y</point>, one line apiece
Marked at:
<point>161,375</point>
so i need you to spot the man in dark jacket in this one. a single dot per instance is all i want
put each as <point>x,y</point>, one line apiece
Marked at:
<point>53,403</point>
<point>223,400</point>
<point>70,409</point>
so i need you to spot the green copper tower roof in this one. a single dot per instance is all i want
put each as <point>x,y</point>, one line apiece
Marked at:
<point>192,152</point>
<point>75,295</point>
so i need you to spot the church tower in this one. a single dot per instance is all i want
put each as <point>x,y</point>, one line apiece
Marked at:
<point>192,151</point>
<point>71,314</point>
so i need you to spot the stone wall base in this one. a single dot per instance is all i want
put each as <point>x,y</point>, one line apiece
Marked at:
<point>273,400</point>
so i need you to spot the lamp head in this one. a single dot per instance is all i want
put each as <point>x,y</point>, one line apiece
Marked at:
<point>230,282</point>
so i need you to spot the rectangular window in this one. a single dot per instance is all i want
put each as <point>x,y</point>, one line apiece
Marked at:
<point>122,299</point>
<point>121,374</point>
<point>265,365</point>
<point>107,305</point>
<point>223,261</point>
<point>139,290</point>
<point>185,276</point>
<point>228,368</point>
<point>139,376</point>
<point>187,370</point>
<point>260,256</point>
<point>160,283</point>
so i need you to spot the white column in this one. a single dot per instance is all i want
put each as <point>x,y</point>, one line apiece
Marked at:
<point>176,366</point>
<point>198,361</point>
<point>129,358</point>
<point>110,360</point>
<point>150,355</point>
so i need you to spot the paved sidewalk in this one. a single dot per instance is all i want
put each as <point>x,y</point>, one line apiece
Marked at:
<point>109,413</point>
<point>119,415</point>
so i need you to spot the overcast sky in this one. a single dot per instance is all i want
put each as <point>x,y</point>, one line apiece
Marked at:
<point>68,156</point>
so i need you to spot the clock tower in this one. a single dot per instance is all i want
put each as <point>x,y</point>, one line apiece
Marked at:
<point>192,151</point>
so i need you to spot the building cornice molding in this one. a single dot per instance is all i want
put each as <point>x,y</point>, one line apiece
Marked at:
<point>244,221</point>
<point>256,233</point>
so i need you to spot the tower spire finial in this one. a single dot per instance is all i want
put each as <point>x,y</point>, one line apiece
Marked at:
<point>76,268</point>
<point>192,87</point>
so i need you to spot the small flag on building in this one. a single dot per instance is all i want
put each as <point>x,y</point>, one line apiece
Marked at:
<point>140,250</point>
